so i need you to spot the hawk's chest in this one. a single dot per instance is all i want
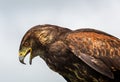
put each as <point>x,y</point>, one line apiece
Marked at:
<point>59,62</point>
<point>56,62</point>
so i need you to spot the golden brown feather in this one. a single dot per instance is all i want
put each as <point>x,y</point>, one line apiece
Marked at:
<point>84,55</point>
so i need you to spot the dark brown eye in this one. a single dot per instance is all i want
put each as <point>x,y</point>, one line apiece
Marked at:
<point>26,44</point>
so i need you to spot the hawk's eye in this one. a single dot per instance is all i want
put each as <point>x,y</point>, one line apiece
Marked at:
<point>26,44</point>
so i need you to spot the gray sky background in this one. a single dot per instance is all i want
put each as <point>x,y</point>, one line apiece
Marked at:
<point>17,16</point>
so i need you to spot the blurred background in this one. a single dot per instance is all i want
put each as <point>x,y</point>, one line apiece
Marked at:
<point>17,16</point>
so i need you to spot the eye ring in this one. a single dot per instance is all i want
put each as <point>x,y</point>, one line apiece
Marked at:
<point>26,44</point>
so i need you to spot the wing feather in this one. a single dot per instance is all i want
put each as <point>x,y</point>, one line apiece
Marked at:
<point>97,49</point>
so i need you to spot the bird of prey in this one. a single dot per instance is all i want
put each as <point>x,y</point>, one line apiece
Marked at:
<point>83,55</point>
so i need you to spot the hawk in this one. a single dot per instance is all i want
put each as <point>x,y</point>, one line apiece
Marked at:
<point>83,55</point>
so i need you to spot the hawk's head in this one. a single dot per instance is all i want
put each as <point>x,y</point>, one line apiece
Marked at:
<point>37,39</point>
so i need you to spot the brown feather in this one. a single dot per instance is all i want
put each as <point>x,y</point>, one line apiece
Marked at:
<point>96,44</point>
<point>84,55</point>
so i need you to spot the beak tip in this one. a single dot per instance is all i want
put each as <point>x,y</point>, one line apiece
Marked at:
<point>30,62</point>
<point>22,62</point>
<point>21,59</point>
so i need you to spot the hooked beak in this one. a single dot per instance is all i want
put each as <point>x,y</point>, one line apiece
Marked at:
<point>21,59</point>
<point>23,54</point>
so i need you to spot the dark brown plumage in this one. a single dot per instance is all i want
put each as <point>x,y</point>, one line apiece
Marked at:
<point>84,55</point>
